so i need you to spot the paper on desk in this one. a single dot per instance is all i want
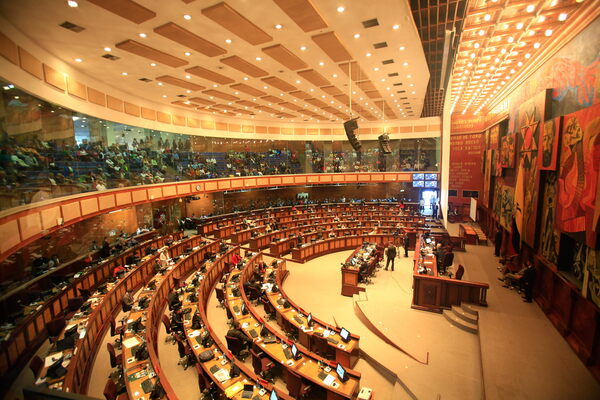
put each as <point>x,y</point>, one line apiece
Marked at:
<point>329,380</point>
<point>82,333</point>
<point>132,341</point>
<point>222,375</point>
<point>51,358</point>
<point>193,334</point>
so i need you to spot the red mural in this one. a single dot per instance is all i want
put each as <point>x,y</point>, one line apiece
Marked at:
<point>575,80</point>
<point>577,208</point>
<point>465,163</point>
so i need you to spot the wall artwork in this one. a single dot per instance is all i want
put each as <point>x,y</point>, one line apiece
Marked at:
<point>578,203</point>
<point>549,236</point>
<point>529,121</point>
<point>485,193</point>
<point>494,136</point>
<point>496,166</point>
<point>507,151</point>
<point>548,146</point>
<point>503,203</point>
<point>593,267</point>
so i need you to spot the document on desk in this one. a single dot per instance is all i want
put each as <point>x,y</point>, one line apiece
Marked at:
<point>132,341</point>
<point>329,380</point>
<point>222,375</point>
<point>51,358</point>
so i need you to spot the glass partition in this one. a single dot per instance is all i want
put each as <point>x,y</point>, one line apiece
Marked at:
<point>48,151</point>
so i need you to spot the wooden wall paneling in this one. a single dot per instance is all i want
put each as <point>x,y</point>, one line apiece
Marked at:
<point>562,303</point>
<point>76,88</point>
<point>96,97</point>
<point>30,64</point>
<point>163,117</point>
<point>114,103</point>
<point>132,109</point>
<point>178,120</point>
<point>148,113</point>
<point>54,78</point>
<point>8,49</point>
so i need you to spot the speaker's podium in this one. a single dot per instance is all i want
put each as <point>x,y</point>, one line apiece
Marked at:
<point>350,277</point>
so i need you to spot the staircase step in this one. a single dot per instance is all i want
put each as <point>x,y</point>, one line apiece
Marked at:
<point>468,309</point>
<point>462,314</point>
<point>460,323</point>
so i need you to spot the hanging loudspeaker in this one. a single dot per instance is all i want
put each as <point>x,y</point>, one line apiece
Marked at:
<point>350,126</point>
<point>384,144</point>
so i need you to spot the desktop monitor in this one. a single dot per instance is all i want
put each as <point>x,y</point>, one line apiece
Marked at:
<point>273,396</point>
<point>244,309</point>
<point>309,320</point>
<point>341,372</point>
<point>295,353</point>
<point>345,335</point>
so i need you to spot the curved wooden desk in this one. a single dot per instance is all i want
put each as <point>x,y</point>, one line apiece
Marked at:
<point>296,318</point>
<point>136,372</point>
<point>327,246</point>
<point>308,365</point>
<point>432,292</point>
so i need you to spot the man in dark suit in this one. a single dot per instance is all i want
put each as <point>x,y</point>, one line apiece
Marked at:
<point>406,243</point>
<point>390,252</point>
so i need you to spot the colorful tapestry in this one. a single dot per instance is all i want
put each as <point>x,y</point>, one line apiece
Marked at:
<point>497,197</point>
<point>528,120</point>
<point>507,151</point>
<point>494,136</point>
<point>496,165</point>
<point>507,195</point>
<point>549,237</point>
<point>548,146</point>
<point>593,268</point>
<point>485,192</point>
<point>577,207</point>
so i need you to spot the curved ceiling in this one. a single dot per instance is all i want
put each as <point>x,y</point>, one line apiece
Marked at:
<point>267,59</point>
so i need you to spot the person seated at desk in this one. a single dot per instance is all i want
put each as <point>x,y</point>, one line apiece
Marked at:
<point>163,257</point>
<point>250,285</point>
<point>118,271</point>
<point>177,321</point>
<point>262,267</point>
<point>127,301</point>
<point>235,259</point>
<point>331,235</point>
<point>236,332</point>
<point>299,242</point>
<point>173,300</point>
<point>105,249</point>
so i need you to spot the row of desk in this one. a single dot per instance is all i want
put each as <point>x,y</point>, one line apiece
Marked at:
<point>308,366</point>
<point>30,333</point>
<point>91,327</point>
<point>366,253</point>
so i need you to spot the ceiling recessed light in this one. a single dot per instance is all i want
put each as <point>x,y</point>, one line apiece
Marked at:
<point>548,32</point>
<point>409,76</point>
<point>530,8</point>
<point>396,27</point>
<point>160,83</point>
<point>278,26</point>
<point>562,16</point>
<point>541,18</point>
<point>527,55</point>
<point>476,45</point>
<point>341,9</point>
<point>265,87</point>
<point>188,77</point>
<point>107,49</point>
<point>321,63</point>
<point>124,73</point>
<point>245,78</point>
<point>187,16</point>
<point>402,48</point>
<point>258,58</point>
<point>405,63</point>
<point>511,39</point>
<point>481,32</point>
<point>228,41</point>
<point>356,35</point>
<point>188,91</point>
<point>72,3</point>
<point>368,54</point>
<point>487,17</point>
<point>334,75</point>
<point>215,85</point>
<point>297,81</point>
<point>187,53</point>
<point>78,60</point>
<point>143,35</point>
<point>536,45</point>
<point>302,48</point>
<point>376,69</point>
<point>153,64</point>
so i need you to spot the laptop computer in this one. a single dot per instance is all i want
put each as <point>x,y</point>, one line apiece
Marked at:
<point>248,391</point>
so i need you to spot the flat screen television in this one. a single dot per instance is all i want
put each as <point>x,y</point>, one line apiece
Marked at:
<point>341,373</point>
<point>345,335</point>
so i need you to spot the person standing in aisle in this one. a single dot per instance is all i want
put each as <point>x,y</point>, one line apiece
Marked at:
<point>497,241</point>
<point>422,206</point>
<point>390,252</point>
<point>406,243</point>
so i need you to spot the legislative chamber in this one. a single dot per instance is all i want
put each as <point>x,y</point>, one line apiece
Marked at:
<point>299,199</point>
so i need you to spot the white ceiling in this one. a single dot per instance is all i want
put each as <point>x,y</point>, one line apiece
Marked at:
<point>40,21</point>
